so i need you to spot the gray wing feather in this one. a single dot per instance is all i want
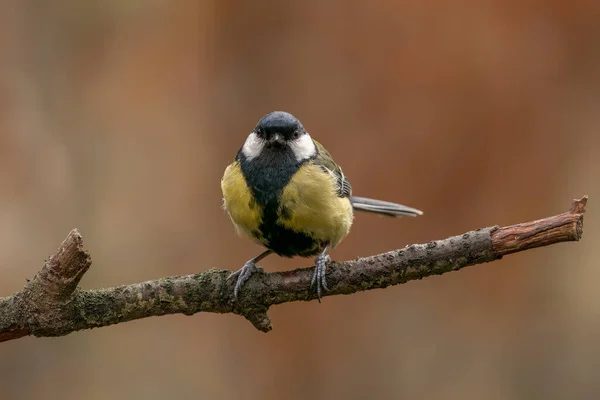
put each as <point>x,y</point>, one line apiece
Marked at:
<point>325,161</point>
<point>344,188</point>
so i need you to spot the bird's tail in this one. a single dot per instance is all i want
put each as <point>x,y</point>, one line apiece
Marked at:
<point>383,207</point>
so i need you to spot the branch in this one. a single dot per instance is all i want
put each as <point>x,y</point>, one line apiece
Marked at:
<point>51,304</point>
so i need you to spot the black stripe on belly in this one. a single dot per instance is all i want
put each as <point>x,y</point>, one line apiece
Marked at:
<point>266,176</point>
<point>288,243</point>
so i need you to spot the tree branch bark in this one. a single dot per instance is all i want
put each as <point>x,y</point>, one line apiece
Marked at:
<point>52,304</point>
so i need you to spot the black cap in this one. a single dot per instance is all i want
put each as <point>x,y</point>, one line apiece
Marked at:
<point>280,122</point>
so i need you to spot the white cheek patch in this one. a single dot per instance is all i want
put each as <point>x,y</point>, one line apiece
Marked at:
<point>303,148</point>
<point>253,146</point>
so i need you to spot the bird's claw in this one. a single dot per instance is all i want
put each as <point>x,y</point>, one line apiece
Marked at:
<point>242,274</point>
<point>318,276</point>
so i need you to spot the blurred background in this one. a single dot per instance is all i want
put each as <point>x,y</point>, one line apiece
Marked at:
<point>119,117</point>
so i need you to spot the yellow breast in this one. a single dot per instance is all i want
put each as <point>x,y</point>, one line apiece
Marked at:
<point>309,204</point>
<point>245,214</point>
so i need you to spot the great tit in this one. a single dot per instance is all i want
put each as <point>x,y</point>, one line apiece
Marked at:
<point>285,192</point>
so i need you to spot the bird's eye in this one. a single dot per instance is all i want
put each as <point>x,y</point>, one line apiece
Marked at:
<point>296,134</point>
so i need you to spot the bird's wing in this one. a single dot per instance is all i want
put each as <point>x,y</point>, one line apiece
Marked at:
<point>326,163</point>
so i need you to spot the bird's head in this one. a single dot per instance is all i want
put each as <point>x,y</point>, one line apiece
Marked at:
<point>279,131</point>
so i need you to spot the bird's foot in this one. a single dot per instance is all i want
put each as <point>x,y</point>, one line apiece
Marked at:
<point>242,274</point>
<point>318,276</point>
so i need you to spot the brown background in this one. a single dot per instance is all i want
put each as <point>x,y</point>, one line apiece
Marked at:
<point>118,117</point>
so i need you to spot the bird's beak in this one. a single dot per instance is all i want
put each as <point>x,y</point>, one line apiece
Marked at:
<point>276,140</point>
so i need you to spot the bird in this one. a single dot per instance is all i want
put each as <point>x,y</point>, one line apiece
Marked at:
<point>284,191</point>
